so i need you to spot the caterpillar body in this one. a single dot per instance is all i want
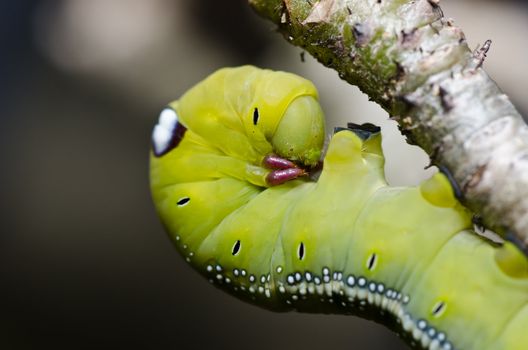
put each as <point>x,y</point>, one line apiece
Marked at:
<point>228,177</point>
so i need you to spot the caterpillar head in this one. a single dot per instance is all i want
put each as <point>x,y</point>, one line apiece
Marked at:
<point>299,136</point>
<point>242,115</point>
<point>280,112</point>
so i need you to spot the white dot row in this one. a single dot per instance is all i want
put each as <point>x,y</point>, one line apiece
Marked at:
<point>299,286</point>
<point>349,289</point>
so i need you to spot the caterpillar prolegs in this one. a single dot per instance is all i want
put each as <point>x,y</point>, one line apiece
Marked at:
<point>230,180</point>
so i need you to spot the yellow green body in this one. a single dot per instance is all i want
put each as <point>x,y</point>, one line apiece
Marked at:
<point>344,243</point>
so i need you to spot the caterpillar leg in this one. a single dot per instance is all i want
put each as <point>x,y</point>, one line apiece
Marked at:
<point>282,170</point>
<point>280,176</point>
<point>272,161</point>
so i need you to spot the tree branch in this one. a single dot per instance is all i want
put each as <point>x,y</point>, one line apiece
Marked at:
<point>416,64</point>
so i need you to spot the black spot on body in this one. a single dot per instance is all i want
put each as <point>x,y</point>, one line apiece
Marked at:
<point>183,201</point>
<point>372,261</point>
<point>255,116</point>
<point>236,247</point>
<point>300,251</point>
<point>439,307</point>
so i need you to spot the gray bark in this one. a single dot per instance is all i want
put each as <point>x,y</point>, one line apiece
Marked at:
<point>417,65</point>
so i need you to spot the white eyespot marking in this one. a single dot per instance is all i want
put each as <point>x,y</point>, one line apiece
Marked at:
<point>183,201</point>
<point>167,133</point>
<point>279,269</point>
<point>168,119</point>
<point>236,248</point>
<point>438,309</point>
<point>161,138</point>
<point>372,261</point>
<point>163,131</point>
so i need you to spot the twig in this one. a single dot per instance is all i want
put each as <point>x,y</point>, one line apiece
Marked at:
<point>416,64</point>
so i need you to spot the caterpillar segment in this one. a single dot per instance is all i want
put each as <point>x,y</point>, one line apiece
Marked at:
<point>344,243</point>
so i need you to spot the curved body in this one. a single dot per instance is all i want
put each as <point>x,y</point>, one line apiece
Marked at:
<point>344,243</point>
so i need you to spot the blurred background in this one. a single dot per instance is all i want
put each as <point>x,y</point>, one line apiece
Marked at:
<point>84,261</point>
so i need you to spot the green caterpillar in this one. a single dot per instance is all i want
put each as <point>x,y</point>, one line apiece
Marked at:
<point>234,179</point>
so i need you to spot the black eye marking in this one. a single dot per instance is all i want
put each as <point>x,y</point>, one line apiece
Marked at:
<point>236,248</point>
<point>371,263</point>
<point>182,201</point>
<point>255,116</point>
<point>300,251</point>
<point>438,308</point>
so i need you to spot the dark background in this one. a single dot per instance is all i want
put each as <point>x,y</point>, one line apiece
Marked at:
<point>84,261</point>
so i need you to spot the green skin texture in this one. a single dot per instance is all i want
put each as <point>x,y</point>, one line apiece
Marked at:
<point>420,237</point>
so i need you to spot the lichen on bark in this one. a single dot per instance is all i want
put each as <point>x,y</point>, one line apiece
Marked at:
<point>406,56</point>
